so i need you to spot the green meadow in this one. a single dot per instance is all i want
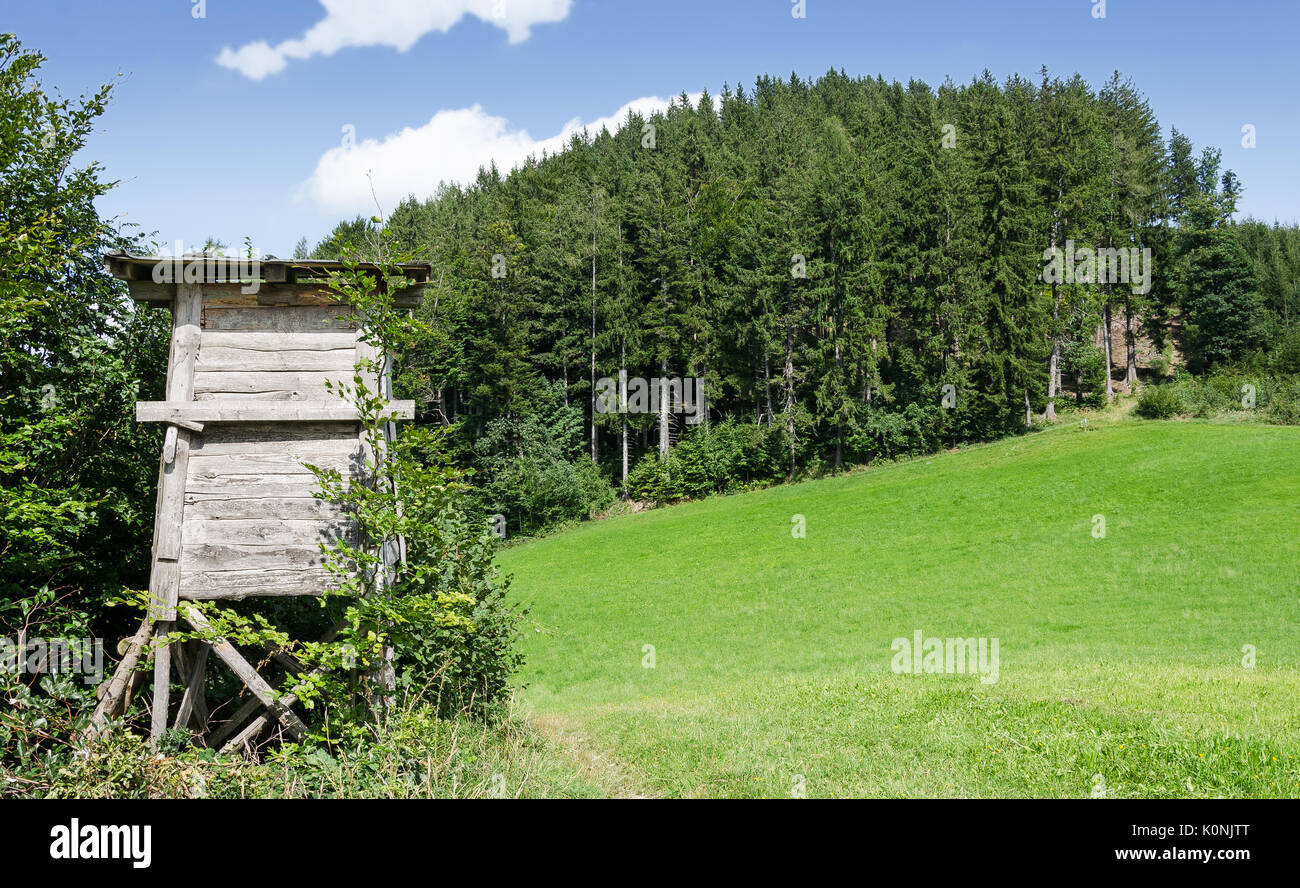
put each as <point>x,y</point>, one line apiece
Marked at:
<point>706,650</point>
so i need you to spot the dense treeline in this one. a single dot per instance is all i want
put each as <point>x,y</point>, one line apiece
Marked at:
<point>827,257</point>
<point>77,474</point>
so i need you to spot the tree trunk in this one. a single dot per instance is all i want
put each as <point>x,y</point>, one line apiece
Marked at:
<point>663,409</point>
<point>1130,346</point>
<point>1054,363</point>
<point>622,406</point>
<point>1110,388</point>
<point>767,387</point>
<point>788,375</point>
<point>594,457</point>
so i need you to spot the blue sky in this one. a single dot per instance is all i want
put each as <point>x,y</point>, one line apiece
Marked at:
<point>207,137</point>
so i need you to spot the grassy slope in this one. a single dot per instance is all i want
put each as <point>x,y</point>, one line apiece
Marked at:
<point>1120,657</point>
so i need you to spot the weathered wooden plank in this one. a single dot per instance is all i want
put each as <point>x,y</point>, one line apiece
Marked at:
<point>194,706</point>
<point>265,531</point>
<point>250,706</point>
<point>148,291</point>
<point>203,466</point>
<point>201,557</point>
<point>271,295</point>
<point>251,484</point>
<point>116,690</point>
<point>172,471</point>
<point>226,508</point>
<point>162,675</point>
<point>164,574</point>
<point>258,410</point>
<point>308,386</point>
<point>242,432</point>
<point>209,585</point>
<point>216,359</point>
<point>289,319</point>
<point>340,447</point>
<point>255,340</point>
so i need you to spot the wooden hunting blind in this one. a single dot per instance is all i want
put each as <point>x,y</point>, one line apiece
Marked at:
<point>253,346</point>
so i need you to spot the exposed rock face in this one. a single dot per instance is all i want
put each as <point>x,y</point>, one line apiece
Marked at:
<point>1149,358</point>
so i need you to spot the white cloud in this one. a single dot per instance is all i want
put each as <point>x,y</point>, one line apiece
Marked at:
<point>449,148</point>
<point>395,23</point>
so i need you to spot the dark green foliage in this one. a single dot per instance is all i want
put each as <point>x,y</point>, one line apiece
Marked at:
<point>726,458</point>
<point>76,471</point>
<point>1225,316</point>
<point>531,469</point>
<point>826,255</point>
<point>885,434</point>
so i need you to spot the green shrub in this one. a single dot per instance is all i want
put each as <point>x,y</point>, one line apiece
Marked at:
<point>887,434</point>
<point>1160,402</point>
<point>534,469</point>
<point>1284,410</point>
<point>725,458</point>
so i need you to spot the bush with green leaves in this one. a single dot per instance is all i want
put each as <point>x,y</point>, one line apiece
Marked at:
<point>424,608</point>
<point>726,457</point>
<point>887,434</point>
<point>1238,392</point>
<point>76,471</point>
<point>1159,402</point>
<point>532,469</point>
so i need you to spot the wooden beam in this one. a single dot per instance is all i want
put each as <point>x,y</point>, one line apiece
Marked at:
<point>194,706</point>
<point>120,683</point>
<point>162,676</point>
<point>165,573</point>
<point>247,674</point>
<point>258,410</point>
<point>150,293</point>
<point>250,706</point>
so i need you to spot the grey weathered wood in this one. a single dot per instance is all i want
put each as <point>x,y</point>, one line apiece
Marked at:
<point>287,319</point>
<point>255,410</point>
<point>235,585</point>
<point>130,266</point>
<point>164,575</point>
<point>259,724</point>
<point>264,532</point>
<point>149,292</point>
<point>264,341</point>
<point>169,444</point>
<point>291,385</point>
<point>222,359</point>
<point>287,508</point>
<point>205,557</point>
<point>326,445</point>
<point>193,705</point>
<point>239,432</point>
<point>265,463</point>
<point>250,706</point>
<point>162,676</point>
<point>246,673</point>
<point>112,700</point>
<point>252,485</point>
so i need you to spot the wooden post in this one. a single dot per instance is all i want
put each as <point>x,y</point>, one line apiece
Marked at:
<point>164,578</point>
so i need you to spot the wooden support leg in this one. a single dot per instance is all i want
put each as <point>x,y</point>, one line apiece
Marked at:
<point>162,678</point>
<point>119,686</point>
<point>247,674</point>
<point>194,707</point>
<point>256,727</point>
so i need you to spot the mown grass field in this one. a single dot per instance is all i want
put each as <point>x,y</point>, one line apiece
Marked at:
<point>1121,658</point>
